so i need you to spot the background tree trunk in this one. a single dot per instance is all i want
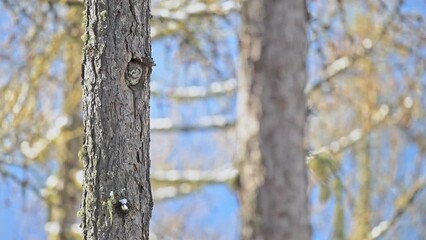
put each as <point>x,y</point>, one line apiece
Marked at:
<point>271,120</point>
<point>116,71</point>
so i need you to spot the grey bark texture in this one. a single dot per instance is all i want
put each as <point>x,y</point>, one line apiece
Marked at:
<point>117,201</point>
<point>271,120</point>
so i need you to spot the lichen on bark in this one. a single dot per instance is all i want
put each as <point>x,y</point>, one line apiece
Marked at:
<point>116,120</point>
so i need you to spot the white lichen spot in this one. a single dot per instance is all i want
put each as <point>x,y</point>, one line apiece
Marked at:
<point>124,208</point>
<point>123,203</point>
<point>103,15</point>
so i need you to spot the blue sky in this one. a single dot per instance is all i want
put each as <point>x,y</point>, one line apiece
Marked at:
<point>216,205</point>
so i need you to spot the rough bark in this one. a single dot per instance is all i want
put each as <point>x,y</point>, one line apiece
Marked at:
<point>271,120</point>
<point>116,70</point>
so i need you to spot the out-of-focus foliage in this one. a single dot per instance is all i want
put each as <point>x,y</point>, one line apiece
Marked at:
<point>374,52</point>
<point>366,92</point>
<point>40,91</point>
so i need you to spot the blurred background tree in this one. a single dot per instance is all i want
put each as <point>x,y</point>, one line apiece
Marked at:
<point>366,130</point>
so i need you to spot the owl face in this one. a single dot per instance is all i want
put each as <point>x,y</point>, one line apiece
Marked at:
<point>133,73</point>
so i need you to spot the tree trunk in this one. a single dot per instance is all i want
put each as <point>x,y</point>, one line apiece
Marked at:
<point>271,121</point>
<point>117,201</point>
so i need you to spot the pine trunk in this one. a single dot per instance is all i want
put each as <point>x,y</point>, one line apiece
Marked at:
<point>271,121</point>
<point>117,201</point>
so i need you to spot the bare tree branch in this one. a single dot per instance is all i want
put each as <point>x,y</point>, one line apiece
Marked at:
<point>195,9</point>
<point>23,183</point>
<point>193,176</point>
<point>208,122</point>
<point>170,192</point>
<point>193,92</point>
<point>185,182</point>
<point>342,64</point>
<point>402,205</point>
<point>356,134</point>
